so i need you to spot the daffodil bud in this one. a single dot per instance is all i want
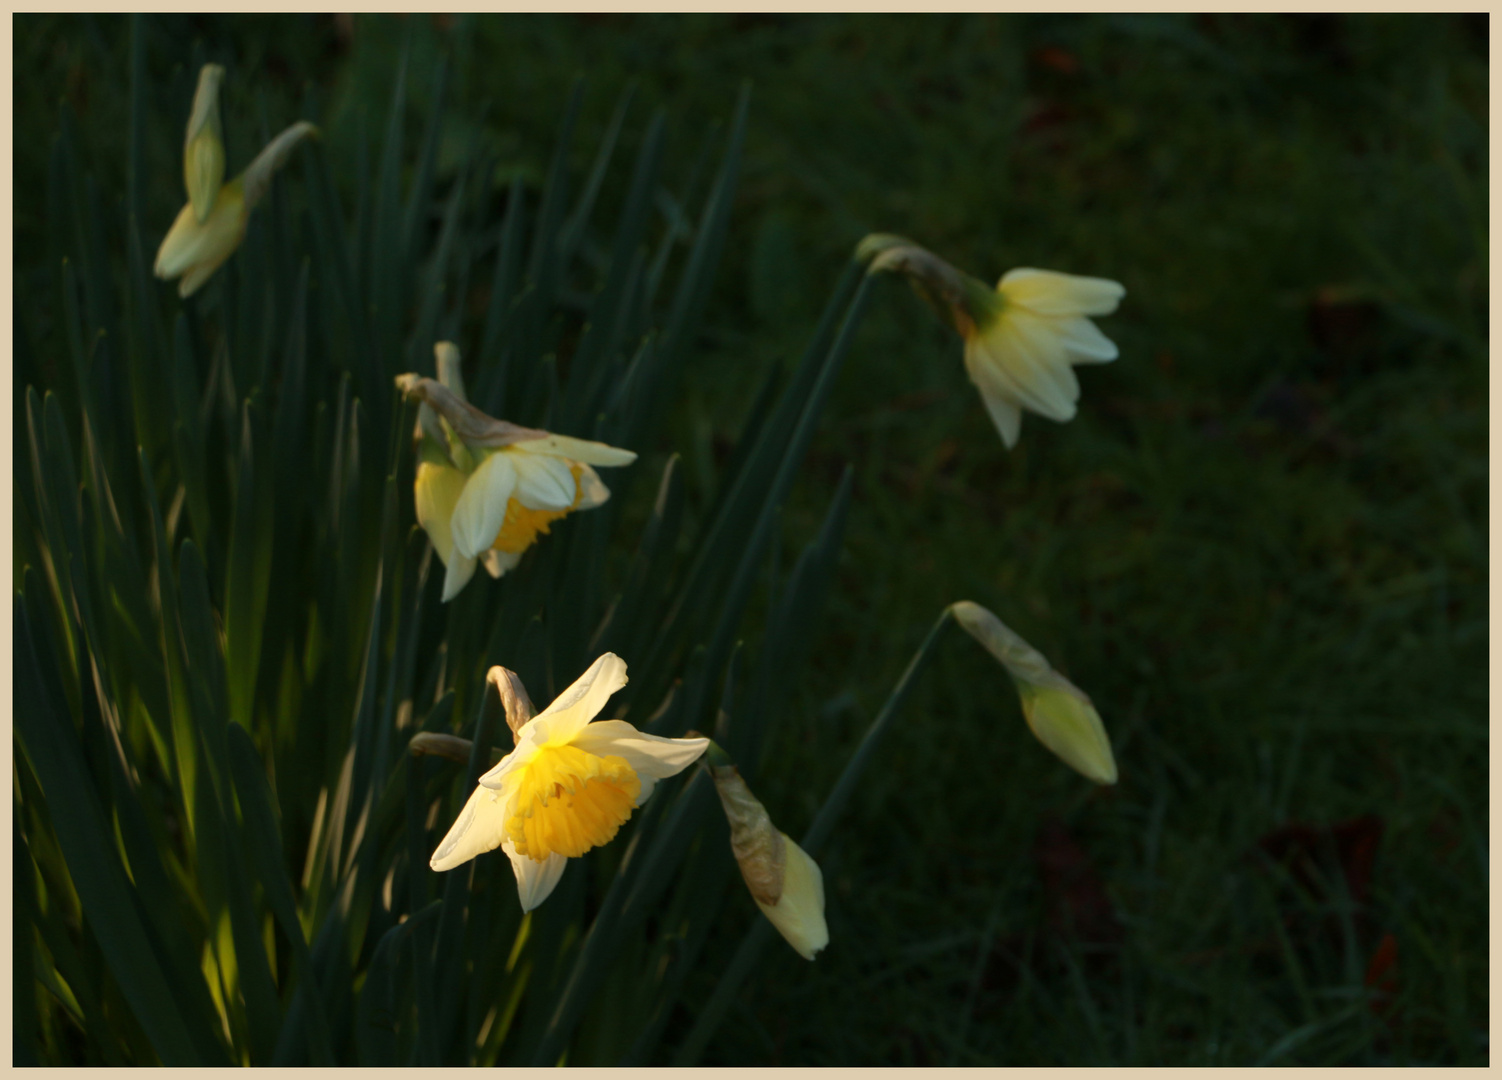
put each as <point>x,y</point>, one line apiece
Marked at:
<point>194,249</point>
<point>784,882</point>
<point>212,224</point>
<point>203,144</point>
<point>1058,712</point>
<point>437,744</point>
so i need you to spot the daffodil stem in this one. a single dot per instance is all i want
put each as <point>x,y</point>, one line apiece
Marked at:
<point>761,931</point>
<point>739,590</point>
<point>835,803</point>
<point>456,892</point>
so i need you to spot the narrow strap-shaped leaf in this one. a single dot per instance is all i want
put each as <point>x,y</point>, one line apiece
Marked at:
<point>425,330</point>
<point>714,554</point>
<point>264,843</point>
<point>249,572</point>
<point>184,769</point>
<point>503,287</point>
<point>790,629</point>
<point>739,590</point>
<point>760,933</point>
<point>152,407</point>
<point>420,885</point>
<point>698,276</point>
<point>648,565</point>
<point>375,1039</point>
<point>92,862</point>
<point>422,184</point>
<point>578,222</point>
<point>544,266</point>
<point>448,964</point>
<point>135,155</point>
<point>23,932</point>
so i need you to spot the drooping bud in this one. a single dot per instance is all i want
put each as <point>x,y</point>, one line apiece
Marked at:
<point>203,144</point>
<point>437,744</point>
<point>1059,713</point>
<point>784,882</point>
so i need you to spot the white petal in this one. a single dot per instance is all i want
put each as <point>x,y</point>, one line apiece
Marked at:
<point>535,881</point>
<point>481,827</point>
<point>592,490</point>
<point>1047,292</point>
<point>498,562</point>
<point>544,482</point>
<point>565,446</point>
<point>798,914</point>
<point>1037,364</point>
<point>1004,414</point>
<point>436,493</point>
<point>1084,342</point>
<point>580,703</point>
<point>456,575</point>
<point>481,509</point>
<point>997,359</point>
<point>496,778</point>
<point>653,757</point>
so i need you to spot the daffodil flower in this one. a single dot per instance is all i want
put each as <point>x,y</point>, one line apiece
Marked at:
<point>567,787</point>
<point>1021,338</point>
<point>210,227</point>
<point>1059,713</point>
<point>786,884</point>
<point>487,489</point>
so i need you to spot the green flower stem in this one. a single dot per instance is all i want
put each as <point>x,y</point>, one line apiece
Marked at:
<point>761,931</point>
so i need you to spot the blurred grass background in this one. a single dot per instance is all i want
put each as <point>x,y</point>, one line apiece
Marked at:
<point>1261,547</point>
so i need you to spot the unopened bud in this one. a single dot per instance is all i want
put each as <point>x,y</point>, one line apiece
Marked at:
<point>437,744</point>
<point>203,144</point>
<point>784,882</point>
<point>1059,713</point>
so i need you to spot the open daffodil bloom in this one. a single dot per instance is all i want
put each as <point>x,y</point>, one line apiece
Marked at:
<point>211,225</point>
<point>567,787</point>
<point>487,489</point>
<point>1021,338</point>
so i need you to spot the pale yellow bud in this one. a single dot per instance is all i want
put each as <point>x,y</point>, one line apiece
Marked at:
<point>1065,721</point>
<point>785,883</point>
<point>437,744</point>
<point>203,144</point>
<point>194,249</point>
<point>1058,712</point>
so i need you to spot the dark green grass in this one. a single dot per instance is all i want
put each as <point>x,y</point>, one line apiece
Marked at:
<point>1261,547</point>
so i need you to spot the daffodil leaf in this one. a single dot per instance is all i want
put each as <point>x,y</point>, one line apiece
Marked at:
<point>263,841</point>
<point>109,901</point>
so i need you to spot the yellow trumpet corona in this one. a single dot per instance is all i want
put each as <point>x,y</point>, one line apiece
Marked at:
<point>487,489</point>
<point>569,785</point>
